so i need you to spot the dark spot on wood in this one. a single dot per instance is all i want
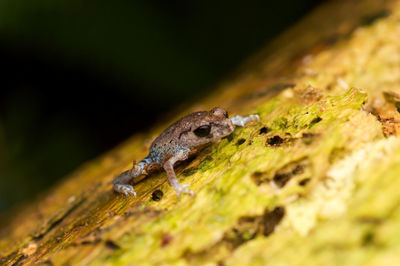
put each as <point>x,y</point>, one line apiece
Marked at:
<point>157,195</point>
<point>248,227</point>
<point>245,230</point>
<point>275,141</point>
<point>298,170</point>
<point>111,245</point>
<point>259,177</point>
<point>85,242</point>
<point>166,239</point>
<point>240,141</point>
<point>308,138</point>
<point>272,219</point>
<point>336,154</point>
<point>229,137</point>
<point>264,130</point>
<point>315,121</point>
<point>308,135</point>
<point>370,19</point>
<point>304,182</point>
<point>368,238</point>
<point>257,174</point>
<point>283,175</point>
<point>221,263</point>
<point>281,179</point>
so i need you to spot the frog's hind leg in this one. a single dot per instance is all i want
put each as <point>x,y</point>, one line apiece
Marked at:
<point>121,182</point>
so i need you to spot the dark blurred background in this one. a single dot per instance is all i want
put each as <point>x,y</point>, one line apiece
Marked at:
<point>79,77</point>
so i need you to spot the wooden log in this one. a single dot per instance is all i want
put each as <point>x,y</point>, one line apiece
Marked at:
<point>314,183</point>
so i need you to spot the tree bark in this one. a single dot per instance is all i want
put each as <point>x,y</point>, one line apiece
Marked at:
<point>314,183</point>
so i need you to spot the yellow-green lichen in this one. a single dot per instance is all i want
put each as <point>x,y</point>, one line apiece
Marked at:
<point>352,240</point>
<point>229,184</point>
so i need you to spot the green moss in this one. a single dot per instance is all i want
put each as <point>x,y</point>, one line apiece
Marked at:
<point>223,183</point>
<point>356,238</point>
<point>280,124</point>
<point>172,231</point>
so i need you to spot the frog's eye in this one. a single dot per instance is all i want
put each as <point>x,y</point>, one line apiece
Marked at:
<point>202,131</point>
<point>226,115</point>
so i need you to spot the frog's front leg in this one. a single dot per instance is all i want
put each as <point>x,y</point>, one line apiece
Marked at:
<point>121,182</point>
<point>239,120</point>
<point>172,179</point>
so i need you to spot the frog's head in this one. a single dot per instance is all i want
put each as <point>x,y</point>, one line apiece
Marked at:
<point>204,127</point>
<point>214,126</point>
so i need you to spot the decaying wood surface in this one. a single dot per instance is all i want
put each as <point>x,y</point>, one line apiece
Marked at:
<point>316,182</point>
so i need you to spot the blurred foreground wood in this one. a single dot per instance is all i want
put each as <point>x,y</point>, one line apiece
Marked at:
<point>316,182</point>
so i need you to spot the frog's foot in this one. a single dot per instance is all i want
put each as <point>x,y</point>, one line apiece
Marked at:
<point>238,120</point>
<point>183,189</point>
<point>127,190</point>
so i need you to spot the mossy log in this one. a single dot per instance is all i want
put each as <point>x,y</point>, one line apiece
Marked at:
<point>315,182</point>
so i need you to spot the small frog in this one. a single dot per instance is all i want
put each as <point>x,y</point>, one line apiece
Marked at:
<point>182,139</point>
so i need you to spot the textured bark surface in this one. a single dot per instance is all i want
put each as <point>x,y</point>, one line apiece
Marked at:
<point>314,183</point>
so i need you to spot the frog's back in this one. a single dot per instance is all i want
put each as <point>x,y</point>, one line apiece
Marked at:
<point>168,142</point>
<point>174,131</point>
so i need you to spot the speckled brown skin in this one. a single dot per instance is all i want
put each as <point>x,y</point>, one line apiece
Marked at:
<point>180,140</point>
<point>180,135</point>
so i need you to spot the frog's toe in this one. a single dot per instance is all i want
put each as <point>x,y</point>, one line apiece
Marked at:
<point>127,190</point>
<point>184,189</point>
